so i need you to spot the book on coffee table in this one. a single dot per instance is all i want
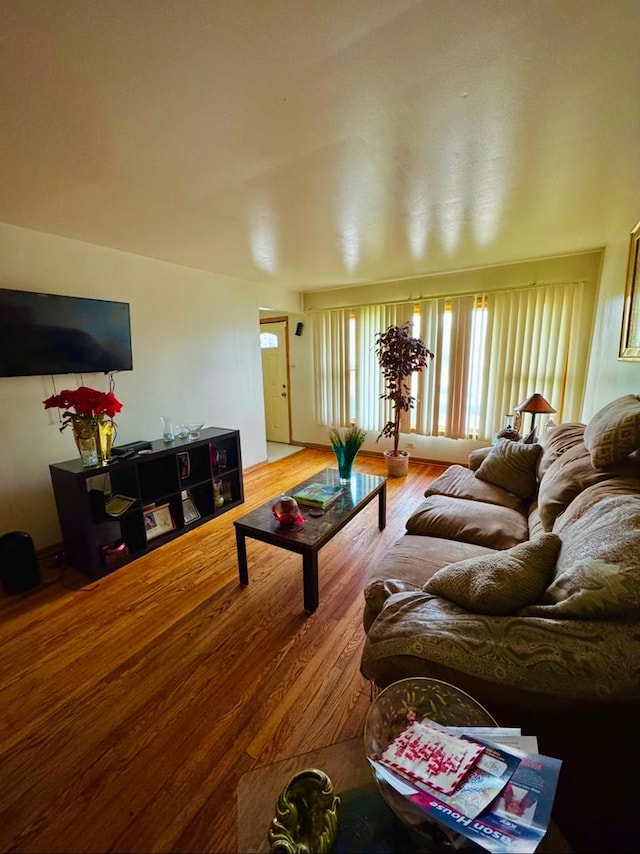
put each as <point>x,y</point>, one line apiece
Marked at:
<point>318,494</point>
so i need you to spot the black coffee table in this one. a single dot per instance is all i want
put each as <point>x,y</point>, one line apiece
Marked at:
<point>307,539</point>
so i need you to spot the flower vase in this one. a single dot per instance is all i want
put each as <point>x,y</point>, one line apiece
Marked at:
<point>105,435</point>
<point>345,458</point>
<point>84,433</point>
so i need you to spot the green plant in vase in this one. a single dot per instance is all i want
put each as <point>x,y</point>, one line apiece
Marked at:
<point>345,445</point>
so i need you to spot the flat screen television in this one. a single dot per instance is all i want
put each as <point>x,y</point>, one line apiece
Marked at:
<point>53,334</point>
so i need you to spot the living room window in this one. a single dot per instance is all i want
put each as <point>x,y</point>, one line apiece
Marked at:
<point>491,349</point>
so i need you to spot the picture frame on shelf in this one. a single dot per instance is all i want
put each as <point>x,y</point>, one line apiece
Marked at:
<point>158,521</point>
<point>190,511</point>
<point>630,335</point>
<point>184,464</point>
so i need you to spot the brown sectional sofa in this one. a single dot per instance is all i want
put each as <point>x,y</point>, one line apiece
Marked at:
<point>555,656</point>
<point>527,597</point>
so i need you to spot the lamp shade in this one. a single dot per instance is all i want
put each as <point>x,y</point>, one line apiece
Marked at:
<point>535,403</point>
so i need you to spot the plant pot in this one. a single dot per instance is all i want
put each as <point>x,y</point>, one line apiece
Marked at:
<point>397,466</point>
<point>345,458</point>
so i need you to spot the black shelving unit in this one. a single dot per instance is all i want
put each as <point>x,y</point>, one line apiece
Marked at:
<point>206,470</point>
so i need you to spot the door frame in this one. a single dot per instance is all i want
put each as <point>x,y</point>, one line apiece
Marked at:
<point>280,319</point>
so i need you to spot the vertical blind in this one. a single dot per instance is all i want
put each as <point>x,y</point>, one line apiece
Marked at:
<point>491,349</point>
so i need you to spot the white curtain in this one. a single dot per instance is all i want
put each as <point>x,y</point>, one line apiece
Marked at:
<point>533,344</point>
<point>331,367</point>
<point>492,350</point>
<point>429,379</point>
<point>372,412</point>
<point>456,423</point>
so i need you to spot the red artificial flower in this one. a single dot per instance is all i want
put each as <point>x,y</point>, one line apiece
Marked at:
<point>86,402</point>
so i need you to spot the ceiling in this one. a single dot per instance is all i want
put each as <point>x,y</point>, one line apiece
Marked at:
<point>320,143</point>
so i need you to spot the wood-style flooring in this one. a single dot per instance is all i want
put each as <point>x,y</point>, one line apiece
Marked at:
<point>130,707</point>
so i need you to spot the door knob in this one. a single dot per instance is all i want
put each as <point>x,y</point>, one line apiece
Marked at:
<point>284,394</point>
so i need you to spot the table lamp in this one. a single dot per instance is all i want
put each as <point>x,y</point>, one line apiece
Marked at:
<point>535,404</point>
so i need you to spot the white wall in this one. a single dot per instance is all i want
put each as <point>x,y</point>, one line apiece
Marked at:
<point>196,354</point>
<point>609,377</point>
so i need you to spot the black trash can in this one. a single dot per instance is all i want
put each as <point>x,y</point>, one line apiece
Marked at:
<point>19,569</point>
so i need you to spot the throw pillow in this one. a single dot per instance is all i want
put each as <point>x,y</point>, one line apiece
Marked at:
<point>499,583</point>
<point>512,466</point>
<point>598,569</point>
<point>566,477</point>
<point>614,431</point>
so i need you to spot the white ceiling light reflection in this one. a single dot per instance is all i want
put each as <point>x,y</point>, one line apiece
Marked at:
<point>450,221</point>
<point>451,211</point>
<point>418,230</point>
<point>356,193</point>
<point>263,242</point>
<point>350,242</point>
<point>489,191</point>
<point>495,140</point>
<point>349,226</point>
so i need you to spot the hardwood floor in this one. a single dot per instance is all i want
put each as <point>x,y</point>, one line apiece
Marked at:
<point>131,706</point>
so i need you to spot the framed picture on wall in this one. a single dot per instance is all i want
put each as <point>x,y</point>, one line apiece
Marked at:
<point>630,336</point>
<point>158,521</point>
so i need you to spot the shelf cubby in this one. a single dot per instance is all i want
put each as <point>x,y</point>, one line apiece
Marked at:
<point>153,479</point>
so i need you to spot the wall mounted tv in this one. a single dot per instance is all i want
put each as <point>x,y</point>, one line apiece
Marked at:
<point>52,334</point>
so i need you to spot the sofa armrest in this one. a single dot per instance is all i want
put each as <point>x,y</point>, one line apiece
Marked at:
<point>476,458</point>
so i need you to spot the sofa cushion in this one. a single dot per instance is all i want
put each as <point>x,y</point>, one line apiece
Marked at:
<point>469,521</point>
<point>533,520</point>
<point>597,573</point>
<point>590,497</point>
<point>408,564</point>
<point>614,431</point>
<point>512,466</point>
<point>557,441</point>
<point>499,583</point>
<point>458,482</point>
<point>567,476</point>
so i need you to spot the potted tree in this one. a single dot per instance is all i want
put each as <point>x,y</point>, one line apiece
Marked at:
<point>399,355</point>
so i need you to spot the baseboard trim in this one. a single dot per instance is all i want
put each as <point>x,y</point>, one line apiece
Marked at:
<point>422,460</point>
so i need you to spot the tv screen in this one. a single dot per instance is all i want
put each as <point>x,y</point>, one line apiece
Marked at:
<point>52,334</point>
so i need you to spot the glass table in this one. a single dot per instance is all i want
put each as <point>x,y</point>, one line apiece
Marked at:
<point>309,537</point>
<point>365,824</point>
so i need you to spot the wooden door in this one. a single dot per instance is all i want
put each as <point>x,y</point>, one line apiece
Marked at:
<point>275,380</point>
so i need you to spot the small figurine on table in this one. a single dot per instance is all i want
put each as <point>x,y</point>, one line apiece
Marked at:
<point>287,512</point>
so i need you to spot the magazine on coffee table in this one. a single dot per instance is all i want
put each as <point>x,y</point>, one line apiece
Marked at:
<point>481,783</point>
<point>515,820</point>
<point>318,494</point>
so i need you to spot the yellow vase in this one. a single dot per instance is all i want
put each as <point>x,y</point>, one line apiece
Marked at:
<point>106,433</point>
<point>84,433</point>
<point>94,439</point>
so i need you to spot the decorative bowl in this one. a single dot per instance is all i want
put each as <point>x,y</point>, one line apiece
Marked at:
<point>287,512</point>
<point>194,429</point>
<point>402,703</point>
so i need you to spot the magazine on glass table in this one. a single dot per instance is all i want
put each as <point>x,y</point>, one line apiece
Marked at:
<point>318,494</point>
<point>517,802</point>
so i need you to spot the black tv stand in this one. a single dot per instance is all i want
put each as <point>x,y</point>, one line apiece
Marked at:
<point>187,482</point>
